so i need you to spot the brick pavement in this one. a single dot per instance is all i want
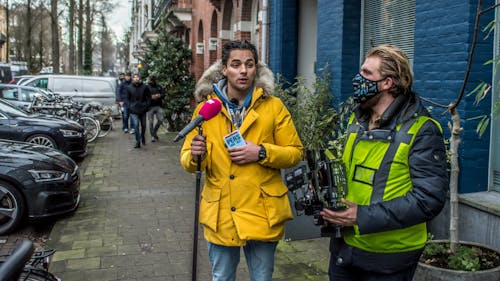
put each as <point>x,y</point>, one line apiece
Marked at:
<point>135,221</point>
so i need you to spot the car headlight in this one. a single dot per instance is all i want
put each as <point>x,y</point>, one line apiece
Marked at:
<point>70,133</point>
<point>47,175</point>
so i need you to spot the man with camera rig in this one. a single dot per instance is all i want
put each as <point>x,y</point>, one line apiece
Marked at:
<point>396,174</point>
<point>244,201</point>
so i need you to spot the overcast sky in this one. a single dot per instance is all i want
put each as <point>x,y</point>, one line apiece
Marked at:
<point>120,18</point>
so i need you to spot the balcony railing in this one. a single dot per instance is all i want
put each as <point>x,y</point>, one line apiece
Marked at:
<point>158,10</point>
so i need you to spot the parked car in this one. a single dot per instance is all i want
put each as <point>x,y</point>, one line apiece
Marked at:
<point>59,133</point>
<point>35,182</point>
<point>6,74</point>
<point>21,96</point>
<point>83,89</point>
<point>20,79</point>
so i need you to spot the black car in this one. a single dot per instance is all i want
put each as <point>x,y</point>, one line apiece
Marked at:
<point>59,133</point>
<point>35,182</point>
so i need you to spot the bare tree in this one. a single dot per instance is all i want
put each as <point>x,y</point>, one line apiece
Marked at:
<point>71,35</point>
<point>28,36</point>
<point>54,27</point>
<point>80,37</point>
<point>87,56</point>
<point>456,130</point>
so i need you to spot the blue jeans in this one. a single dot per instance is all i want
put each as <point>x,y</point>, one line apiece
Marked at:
<point>125,117</point>
<point>258,254</point>
<point>134,122</point>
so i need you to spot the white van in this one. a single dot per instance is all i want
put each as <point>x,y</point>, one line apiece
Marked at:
<point>83,89</point>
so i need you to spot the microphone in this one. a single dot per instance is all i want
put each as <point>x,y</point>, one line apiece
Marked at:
<point>209,110</point>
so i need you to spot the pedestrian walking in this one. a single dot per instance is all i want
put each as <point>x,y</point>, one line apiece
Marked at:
<point>123,100</point>
<point>157,95</point>
<point>244,202</point>
<point>139,97</point>
<point>396,174</point>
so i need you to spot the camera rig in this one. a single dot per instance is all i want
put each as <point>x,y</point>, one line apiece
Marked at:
<point>318,183</point>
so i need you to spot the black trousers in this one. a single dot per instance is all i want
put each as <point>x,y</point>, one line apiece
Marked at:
<point>352,264</point>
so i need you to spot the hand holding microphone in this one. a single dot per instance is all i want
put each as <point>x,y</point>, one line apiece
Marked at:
<point>209,110</point>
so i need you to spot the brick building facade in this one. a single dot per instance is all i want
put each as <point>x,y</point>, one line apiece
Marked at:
<point>215,22</point>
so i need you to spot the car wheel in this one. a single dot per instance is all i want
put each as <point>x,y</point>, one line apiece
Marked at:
<point>42,140</point>
<point>12,208</point>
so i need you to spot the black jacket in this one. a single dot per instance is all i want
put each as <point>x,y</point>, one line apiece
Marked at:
<point>429,175</point>
<point>122,93</point>
<point>139,98</point>
<point>157,89</point>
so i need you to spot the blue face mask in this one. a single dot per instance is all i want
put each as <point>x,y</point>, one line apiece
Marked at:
<point>364,89</point>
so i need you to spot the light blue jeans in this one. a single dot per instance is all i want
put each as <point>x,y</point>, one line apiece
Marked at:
<point>258,254</point>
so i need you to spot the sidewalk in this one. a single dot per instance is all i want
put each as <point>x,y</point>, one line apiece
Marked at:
<point>135,221</point>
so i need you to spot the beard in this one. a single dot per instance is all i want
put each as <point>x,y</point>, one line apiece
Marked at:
<point>369,104</point>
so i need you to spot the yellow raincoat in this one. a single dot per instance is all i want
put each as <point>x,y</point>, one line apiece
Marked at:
<point>246,202</point>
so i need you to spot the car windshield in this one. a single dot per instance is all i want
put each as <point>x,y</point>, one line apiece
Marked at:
<point>12,110</point>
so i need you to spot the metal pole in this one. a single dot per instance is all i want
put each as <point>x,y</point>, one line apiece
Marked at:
<point>196,211</point>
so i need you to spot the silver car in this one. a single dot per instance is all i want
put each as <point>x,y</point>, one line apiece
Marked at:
<point>82,89</point>
<point>21,96</point>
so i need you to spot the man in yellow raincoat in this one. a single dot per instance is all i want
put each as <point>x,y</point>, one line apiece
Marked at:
<point>244,201</point>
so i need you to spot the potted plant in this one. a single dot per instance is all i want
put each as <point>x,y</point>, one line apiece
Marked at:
<point>453,259</point>
<point>311,108</point>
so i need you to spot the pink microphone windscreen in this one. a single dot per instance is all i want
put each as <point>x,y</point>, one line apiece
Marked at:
<point>211,108</point>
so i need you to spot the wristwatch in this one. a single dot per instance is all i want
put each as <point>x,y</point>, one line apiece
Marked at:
<point>262,153</point>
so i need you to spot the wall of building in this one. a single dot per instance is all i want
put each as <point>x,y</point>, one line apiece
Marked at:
<point>442,44</point>
<point>283,36</point>
<point>3,32</point>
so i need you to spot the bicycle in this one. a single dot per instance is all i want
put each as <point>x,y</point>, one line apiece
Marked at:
<point>65,107</point>
<point>27,265</point>
<point>103,116</point>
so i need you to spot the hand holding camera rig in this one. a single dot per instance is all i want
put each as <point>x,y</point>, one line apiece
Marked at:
<point>317,184</point>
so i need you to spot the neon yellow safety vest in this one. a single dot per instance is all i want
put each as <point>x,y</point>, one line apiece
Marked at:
<point>377,170</point>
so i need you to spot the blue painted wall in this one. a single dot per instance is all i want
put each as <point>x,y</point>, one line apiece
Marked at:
<point>283,36</point>
<point>338,43</point>
<point>442,45</point>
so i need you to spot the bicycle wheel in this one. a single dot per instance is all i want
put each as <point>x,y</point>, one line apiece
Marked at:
<point>91,128</point>
<point>106,126</point>
<point>34,274</point>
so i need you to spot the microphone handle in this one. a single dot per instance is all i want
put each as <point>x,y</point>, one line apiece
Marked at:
<point>189,127</point>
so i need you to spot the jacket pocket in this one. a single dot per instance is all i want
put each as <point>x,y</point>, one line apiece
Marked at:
<point>276,203</point>
<point>209,207</point>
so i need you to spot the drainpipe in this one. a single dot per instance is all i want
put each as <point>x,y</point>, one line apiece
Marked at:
<point>264,30</point>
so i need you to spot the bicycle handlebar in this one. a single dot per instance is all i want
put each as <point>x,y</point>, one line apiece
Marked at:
<point>13,266</point>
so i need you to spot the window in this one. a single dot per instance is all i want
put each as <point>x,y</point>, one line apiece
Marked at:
<point>39,83</point>
<point>388,22</point>
<point>28,95</point>
<point>9,94</point>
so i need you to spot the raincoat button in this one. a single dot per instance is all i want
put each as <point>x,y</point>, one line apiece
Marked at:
<point>233,209</point>
<point>339,260</point>
<point>231,177</point>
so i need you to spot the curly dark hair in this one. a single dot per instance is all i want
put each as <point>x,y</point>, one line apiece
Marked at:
<point>240,45</point>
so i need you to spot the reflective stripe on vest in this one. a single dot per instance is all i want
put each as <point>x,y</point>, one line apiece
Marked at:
<point>377,172</point>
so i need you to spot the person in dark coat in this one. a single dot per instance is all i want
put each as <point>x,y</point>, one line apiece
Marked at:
<point>157,95</point>
<point>396,174</point>
<point>139,98</point>
<point>121,98</point>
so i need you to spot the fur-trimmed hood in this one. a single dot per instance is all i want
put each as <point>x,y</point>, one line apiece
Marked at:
<point>264,79</point>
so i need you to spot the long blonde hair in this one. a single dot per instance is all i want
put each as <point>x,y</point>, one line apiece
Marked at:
<point>394,64</point>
